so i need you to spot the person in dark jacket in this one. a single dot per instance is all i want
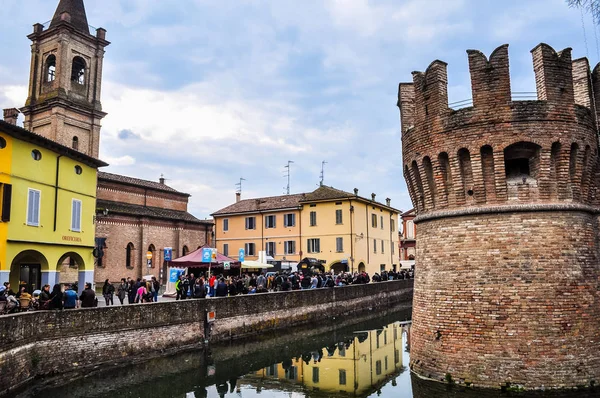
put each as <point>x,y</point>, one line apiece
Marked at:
<point>88,297</point>
<point>199,289</point>
<point>286,286</point>
<point>221,288</point>
<point>108,290</point>
<point>56,298</point>
<point>45,298</point>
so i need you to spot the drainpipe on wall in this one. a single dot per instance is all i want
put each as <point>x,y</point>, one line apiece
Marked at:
<point>56,190</point>
<point>351,237</point>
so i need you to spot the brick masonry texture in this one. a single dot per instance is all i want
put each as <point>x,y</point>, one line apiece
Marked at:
<point>507,273</point>
<point>53,342</point>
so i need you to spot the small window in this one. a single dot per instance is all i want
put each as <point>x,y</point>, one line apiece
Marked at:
<point>378,365</point>
<point>314,245</point>
<point>50,68</point>
<point>185,251</point>
<point>374,220</point>
<point>78,170</point>
<point>338,216</point>
<point>381,220</point>
<point>339,245</point>
<point>342,377</point>
<point>270,221</point>
<point>290,247</point>
<point>338,203</point>
<point>78,71</point>
<point>313,218</point>
<point>225,224</point>
<point>393,225</point>
<point>271,246</point>
<point>381,267</point>
<point>374,245</point>
<point>128,255</point>
<point>36,155</point>
<point>250,249</point>
<point>33,207</point>
<point>250,222</point>
<point>315,375</point>
<point>392,247</point>
<point>5,204</point>
<point>226,250</point>
<point>2,143</point>
<point>313,205</point>
<point>289,220</point>
<point>382,247</point>
<point>75,144</point>
<point>76,215</point>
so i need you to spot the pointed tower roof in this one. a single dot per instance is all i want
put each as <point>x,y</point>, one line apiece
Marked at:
<point>76,11</point>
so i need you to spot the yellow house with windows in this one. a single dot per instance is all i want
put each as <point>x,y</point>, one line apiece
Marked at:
<point>343,230</point>
<point>47,205</point>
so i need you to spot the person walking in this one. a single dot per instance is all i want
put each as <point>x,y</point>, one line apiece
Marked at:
<point>131,291</point>
<point>88,297</point>
<point>108,290</point>
<point>122,290</point>
<point>156,286</point>
<point>56,298</point>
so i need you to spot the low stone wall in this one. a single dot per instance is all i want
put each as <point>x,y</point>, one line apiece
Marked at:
<point>52,342</point>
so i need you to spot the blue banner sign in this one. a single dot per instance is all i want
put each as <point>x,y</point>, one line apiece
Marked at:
<point>241,255</point>
<point>174,275</point>
<point>168,253</point>
<point>207,255</point>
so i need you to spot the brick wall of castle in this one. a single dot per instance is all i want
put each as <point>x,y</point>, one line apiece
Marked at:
<point>506,199</point>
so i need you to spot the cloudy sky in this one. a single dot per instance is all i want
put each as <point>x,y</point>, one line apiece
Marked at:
<point>207,91</point>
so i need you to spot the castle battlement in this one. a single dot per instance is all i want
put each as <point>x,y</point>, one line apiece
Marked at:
<point>506,195</point>
<point>502,151</point>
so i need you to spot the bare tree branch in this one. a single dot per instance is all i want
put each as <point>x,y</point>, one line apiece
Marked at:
<point>591,6</point>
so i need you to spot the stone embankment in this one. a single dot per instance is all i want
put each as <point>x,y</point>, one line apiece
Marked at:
<point>44,343</point>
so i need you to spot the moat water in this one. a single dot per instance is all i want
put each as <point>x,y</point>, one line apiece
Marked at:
<point>368,359</point>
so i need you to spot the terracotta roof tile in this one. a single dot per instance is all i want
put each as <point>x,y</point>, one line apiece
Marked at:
<point>262,204</point>
<point>146,211</point>
<point>137,182</point>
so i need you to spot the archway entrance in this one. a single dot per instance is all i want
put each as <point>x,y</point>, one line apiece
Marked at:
<point>339,267</point>
<point>26,270</point>
<point>73,267</point>
<point>361,267</point>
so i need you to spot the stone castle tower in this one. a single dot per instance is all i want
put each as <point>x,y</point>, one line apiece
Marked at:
<point>507,276</point>
<point>65,80</point>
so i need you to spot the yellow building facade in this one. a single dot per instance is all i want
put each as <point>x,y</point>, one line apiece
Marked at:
<point>48,203</point>
<point>346,232</point>
<point>356,367</point>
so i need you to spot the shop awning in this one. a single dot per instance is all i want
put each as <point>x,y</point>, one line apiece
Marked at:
<point>256,264</point>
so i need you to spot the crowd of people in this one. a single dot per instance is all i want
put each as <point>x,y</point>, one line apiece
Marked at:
<point>60,297</point>
<point>220,286</point>
<point>187,287</point>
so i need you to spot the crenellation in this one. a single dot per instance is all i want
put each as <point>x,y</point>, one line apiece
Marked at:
<point>582,83</point>
<point>406,103</point>
<point>490,79</point>
<point>431,95</point>
<point>553,74</point>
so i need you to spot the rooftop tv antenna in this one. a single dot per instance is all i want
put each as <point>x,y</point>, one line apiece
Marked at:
<point>287,174</point>
<point>323,163</point>
<point>239,186</point>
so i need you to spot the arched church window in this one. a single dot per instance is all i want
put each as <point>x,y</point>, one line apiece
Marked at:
<point>50,68</point>
<point>75,143</point>
<point>185,250</point>
<point>78,71</point>
<point>128,250</point>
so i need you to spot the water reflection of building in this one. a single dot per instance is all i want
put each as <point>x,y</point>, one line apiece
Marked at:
<point>356,366</point>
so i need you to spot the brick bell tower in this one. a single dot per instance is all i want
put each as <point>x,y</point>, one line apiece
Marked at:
<point>507,287</point>
<point>65,80</point>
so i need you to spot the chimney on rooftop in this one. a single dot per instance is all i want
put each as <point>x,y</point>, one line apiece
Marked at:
<point>388,201</point>
<point>373,197</point>
<point>238,197</point>
<point>162,179</point>
<point>11,115</point>
<point>355,191</point>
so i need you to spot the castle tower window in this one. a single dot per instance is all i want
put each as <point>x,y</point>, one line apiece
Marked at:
<point>78,71</point>
<point>128,253</point>
<point>466,171</point>
<point>50,68</point>
<point>522,162</point>
<point>75,144</point>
